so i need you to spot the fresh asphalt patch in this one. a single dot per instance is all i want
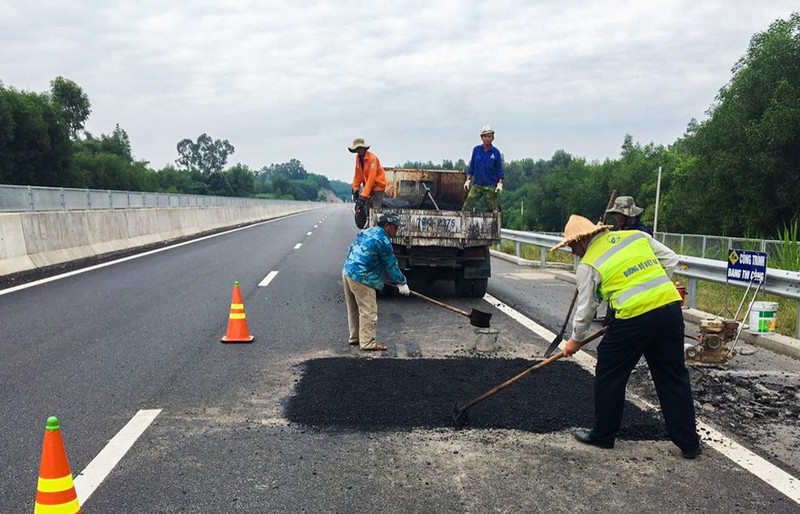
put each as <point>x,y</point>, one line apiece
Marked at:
<point>383,394</point>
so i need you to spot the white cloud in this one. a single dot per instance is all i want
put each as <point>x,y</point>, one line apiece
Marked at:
<point>284,80</point>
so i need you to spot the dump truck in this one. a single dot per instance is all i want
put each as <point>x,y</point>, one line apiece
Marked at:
<point>439,241</point>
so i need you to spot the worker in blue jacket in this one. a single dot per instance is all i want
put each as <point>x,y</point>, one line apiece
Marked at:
<point>485,173</point>
<point>370,261</point>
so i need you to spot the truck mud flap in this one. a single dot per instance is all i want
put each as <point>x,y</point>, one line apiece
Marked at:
<point>477,272</point>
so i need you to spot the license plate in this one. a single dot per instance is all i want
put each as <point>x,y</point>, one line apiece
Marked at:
<point>435,224</point>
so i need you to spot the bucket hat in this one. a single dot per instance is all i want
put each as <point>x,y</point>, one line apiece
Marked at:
<point>578,227</point>
<point>358,143</point>
<point>389,218</point>
<point>486,129</point>
<point>625,205</point>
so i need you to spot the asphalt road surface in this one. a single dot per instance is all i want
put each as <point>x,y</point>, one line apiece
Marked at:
<point>299,421</point>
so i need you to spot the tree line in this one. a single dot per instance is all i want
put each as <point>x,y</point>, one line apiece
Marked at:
<point>43,143</point>
<point>737,173</point>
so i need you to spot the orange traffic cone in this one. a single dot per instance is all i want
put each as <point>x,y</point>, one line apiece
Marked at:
<point>55,492</point>
<point>237,321</point>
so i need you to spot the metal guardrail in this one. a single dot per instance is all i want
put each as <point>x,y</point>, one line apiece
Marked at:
<point>40,199</point>
<point>779,282</point>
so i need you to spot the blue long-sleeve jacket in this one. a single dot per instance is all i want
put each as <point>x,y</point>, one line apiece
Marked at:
<point>371,258</point>
<point>485,168</point>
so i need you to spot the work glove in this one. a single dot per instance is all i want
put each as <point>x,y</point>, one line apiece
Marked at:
<point>404,290</point>
<point>499,188</point>
<point>467,184</point>
<point>355,195</point>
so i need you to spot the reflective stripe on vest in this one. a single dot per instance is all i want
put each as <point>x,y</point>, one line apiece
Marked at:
<point>632,279</point>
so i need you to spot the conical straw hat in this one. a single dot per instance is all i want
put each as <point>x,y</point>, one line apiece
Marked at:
<point>578,227</point>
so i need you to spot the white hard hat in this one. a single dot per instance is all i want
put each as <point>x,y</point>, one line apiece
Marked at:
<point>486,129</point>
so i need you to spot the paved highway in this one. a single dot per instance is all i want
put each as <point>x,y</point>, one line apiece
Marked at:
<point>298,421</point>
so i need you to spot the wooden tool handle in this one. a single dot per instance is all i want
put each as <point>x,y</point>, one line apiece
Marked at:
<point>440,304</point>
<point>611,200</point>
<point>527,372</point>
<point>435,302</point>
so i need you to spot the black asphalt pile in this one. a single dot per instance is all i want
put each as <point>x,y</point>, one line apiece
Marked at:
<point>364,394</point>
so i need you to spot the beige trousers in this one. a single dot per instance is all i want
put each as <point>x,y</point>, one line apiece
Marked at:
<point>362,312</point>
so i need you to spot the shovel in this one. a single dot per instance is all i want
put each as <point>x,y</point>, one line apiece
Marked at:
<point>560,337</point>
<point>476,318</point>
<point>458,413</point>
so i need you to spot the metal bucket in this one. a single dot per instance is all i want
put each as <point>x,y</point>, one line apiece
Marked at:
<point>487,340</point>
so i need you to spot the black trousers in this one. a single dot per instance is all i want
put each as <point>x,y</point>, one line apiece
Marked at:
<point>658,335</point>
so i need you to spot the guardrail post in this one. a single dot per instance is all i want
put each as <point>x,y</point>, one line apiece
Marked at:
<point>61,198</point>
<point>110,200</point>
<point>691,293</point>
<point>88,199</point>
<point>543,257</point>
<point>30,199</point>
<point>703,253</point>
<point>797,321</point>
<point>517,249</point>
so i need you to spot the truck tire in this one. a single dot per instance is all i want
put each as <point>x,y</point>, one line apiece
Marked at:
<point>471,287</point>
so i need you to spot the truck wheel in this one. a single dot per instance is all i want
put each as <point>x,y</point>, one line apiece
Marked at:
<point>471,287</point>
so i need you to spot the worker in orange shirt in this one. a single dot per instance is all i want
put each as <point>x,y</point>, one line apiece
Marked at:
<point>369,174</point>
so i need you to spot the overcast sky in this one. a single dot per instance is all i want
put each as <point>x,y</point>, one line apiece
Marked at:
<point>417,80</point>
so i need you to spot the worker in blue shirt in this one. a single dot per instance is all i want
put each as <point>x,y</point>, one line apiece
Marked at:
<point>370,260</point>
<point>485,173</point>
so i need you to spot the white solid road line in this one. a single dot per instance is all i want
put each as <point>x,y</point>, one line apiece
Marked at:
<point>761,468</point>
<point>268,279</point>
<point>97,470</point>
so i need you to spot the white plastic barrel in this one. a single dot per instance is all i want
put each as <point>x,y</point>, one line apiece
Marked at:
<point>763,316</point>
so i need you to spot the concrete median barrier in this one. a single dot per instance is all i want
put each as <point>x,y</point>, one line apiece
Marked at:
<point>38,240</point>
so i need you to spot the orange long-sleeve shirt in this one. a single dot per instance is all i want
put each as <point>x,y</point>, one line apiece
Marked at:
<point>371,175</point>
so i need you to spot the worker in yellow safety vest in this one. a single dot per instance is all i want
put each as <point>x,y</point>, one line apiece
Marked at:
<point>631,271</point>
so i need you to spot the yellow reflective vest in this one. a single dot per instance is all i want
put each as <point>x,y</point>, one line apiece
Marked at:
<point>632,279</point>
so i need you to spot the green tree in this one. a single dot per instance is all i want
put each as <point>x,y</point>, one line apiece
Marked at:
<point>241,180</point>
<point>205,156</point>
<point>292,170</point>
<point>74,103</point>
<point>746,172</point>
<point>218,184</point>
<point>172,180</point>
<point>107,163</point>
<point>35,147</point>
